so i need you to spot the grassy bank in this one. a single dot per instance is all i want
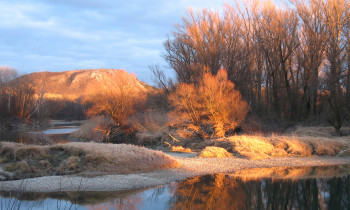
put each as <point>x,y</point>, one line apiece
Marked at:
<point>86,158</point>
<point>300,141</point>
<point>262,147</point>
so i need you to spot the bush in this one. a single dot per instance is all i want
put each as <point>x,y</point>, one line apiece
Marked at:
<point>210,108</point>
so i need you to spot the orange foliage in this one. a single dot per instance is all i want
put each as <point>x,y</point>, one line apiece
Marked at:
<point>119,102</point>
<point>213,104</point>
<point>217,191</point>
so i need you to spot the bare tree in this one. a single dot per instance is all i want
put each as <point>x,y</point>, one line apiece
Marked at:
<point>6,75</point>
<point>160,79</point>
<point>274,55</point>
<point>212,104</point>
<point>312,38</point>
<point>336,17</point>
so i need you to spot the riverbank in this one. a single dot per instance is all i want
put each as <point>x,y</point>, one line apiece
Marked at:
<point>25,161</point>
<point>190,166</point>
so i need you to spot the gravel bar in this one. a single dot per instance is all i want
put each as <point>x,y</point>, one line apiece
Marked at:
<point>190,166</point>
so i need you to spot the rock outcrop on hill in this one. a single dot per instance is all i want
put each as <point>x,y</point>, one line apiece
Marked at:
<point>71,85</point>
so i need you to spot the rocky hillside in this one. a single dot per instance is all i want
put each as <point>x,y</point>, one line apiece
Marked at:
<point>78,83</point>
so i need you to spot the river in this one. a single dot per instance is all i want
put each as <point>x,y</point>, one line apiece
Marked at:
<point>58,133</point>
<point>309,190</point>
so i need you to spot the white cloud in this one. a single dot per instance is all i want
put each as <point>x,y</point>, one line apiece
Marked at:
<point>71,34</point>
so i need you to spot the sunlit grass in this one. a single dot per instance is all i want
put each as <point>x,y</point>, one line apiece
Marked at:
<point>180,149</point>
<point>212,152</point>
<point>260,147</point>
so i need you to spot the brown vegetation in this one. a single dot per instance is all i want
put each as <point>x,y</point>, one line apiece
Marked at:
<point>211,151</point>
<point>20,102</point>
<point>289,63</point>
<point>87,158</point>
<point>90,130</point>
<point>304,141</point>
<point>42,95</point>
<point>210,108</point>
<point>180,149</point>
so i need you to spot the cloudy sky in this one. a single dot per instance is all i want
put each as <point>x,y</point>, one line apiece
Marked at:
<point>58,35</point>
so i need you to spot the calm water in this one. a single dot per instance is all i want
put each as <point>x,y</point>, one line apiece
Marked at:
<point>306,188</point>
<point>58,133</point>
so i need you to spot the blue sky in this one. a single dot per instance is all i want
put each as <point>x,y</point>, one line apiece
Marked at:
<point>59,35</point>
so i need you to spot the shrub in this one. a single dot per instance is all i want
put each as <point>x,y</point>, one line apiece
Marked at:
<point>209,108</point>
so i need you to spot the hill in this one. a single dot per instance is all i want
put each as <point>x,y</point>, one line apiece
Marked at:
<point>75,84</point>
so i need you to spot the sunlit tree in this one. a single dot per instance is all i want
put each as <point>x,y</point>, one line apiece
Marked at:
<point>213,104</point>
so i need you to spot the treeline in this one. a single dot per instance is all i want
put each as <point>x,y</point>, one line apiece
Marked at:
<point>288,63</point>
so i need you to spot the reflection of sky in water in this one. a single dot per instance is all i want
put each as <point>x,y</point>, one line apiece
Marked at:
<point>58,134</point>
<point>215,191</point>
<point>38,205</point>
<point>147,200</point>
<point>59,130</point>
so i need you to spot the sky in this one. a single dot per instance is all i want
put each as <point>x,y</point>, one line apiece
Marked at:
<point>61,35</point>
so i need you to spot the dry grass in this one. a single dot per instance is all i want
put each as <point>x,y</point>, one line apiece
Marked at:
<point>324,131</point>
<point>150,138</point>
<point>180,149</point>
<point>149,121</point>
<point>89,129</point>
<point>260,147</point>
<point>150,127</point>
<point>345,153</point>
<point>211,152</point>
<point>88,158</point>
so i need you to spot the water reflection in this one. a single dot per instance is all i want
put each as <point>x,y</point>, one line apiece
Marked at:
<point>57,134</point>
<point>304,188</point>
<point>224,191</point>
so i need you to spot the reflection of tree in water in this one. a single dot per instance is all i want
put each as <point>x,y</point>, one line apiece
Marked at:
<point>209,192</point>
<point>227,192</point>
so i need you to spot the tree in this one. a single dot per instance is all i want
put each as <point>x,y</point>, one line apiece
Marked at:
<point>198,43</point>
<point>118,101</point>
<point>209,108</point>
<point>6,75</point>
<point>310,56</point>
<point>336,17</point>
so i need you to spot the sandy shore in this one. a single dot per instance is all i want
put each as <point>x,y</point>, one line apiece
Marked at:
<point>191,166</point>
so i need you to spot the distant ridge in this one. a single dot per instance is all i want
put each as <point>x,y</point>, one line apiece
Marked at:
<point>78,83</point>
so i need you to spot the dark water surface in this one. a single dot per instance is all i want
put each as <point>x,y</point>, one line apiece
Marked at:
<point>305,188</point>
<point>58,133</point>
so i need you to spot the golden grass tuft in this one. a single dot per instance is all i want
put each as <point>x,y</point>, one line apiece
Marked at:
<point>255,147</point>
<point>180,149</point>
<point>212,152</point>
